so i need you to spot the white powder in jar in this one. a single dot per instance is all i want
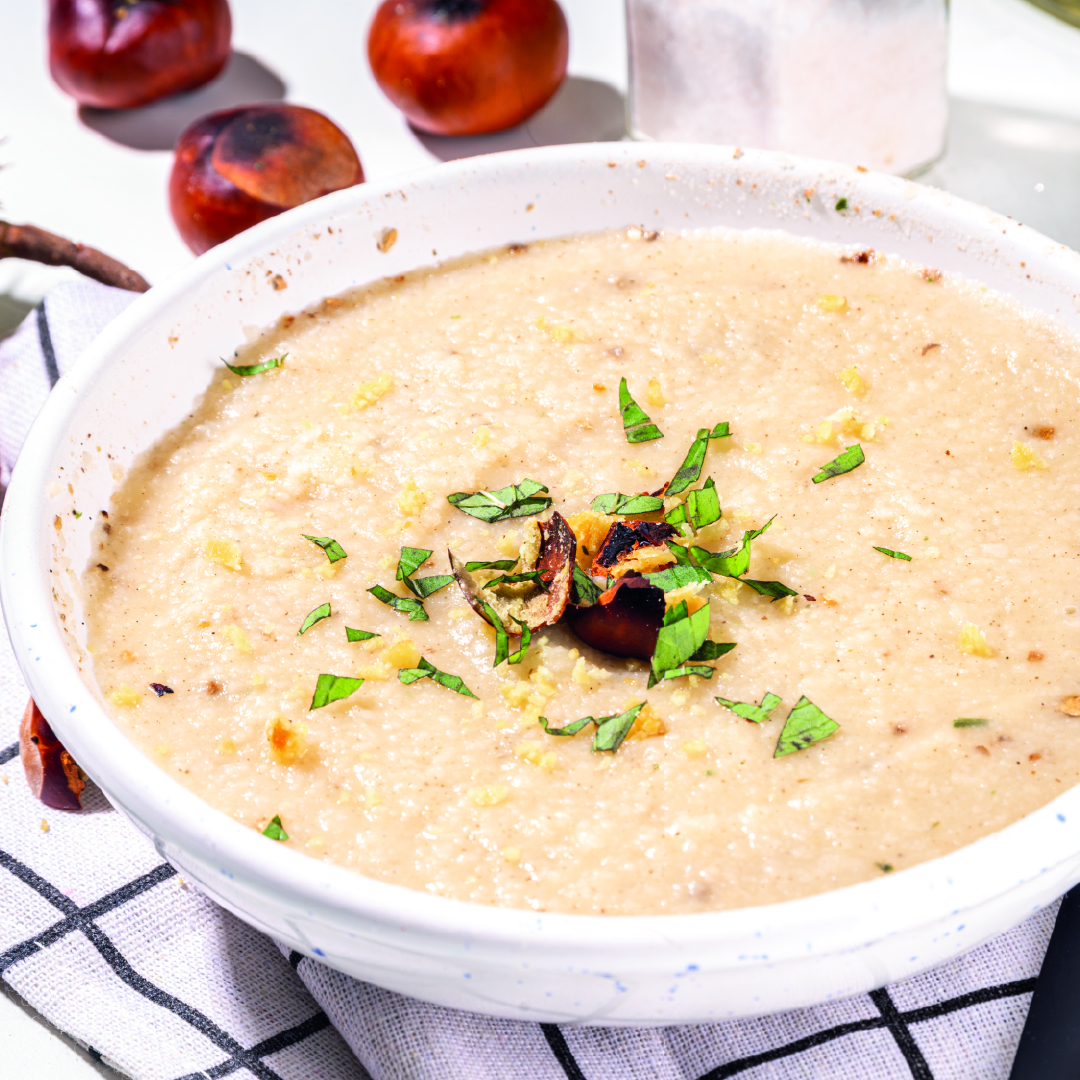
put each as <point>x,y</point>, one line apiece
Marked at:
<point>860,81</point>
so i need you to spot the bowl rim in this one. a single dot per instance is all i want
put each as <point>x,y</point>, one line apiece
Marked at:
<point>975,874</point>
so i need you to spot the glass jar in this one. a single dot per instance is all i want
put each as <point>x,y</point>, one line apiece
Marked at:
<point>859,81</point>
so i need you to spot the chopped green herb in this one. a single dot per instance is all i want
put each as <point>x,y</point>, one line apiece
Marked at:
<point>638,427</point>
<point>517,500</point>
<point>274,830</point>
<point>681,553</point>
<point>776,589</point>
<point>884,867</point>
<point>675,577</point>
<point>732,563</point>
<point>331,688</point>
<point>570,729</point>
<point>410,560</point>
<point>614,503</point>
<point>749,711</point>
<point>584,592</point>
<point>850,459</point>
<point>428,586</point>
<point>970,721</point>
<point>713,650</point>
<point>677,516</point>
<point>424,670</point>
<point>805,725</point>
<point>320,613</point>
<point>77,513</point>
<point>502,638</point>
<point>359,635</point>
<point>334,551</point>
<point>406,605</point>
<point>498,564</point>
<point>690,469</point>
<point>516,579</point>
<point>255,369</point>
<point>841,204</point>
<point>893,554</point>
<point>612,730</point>
<point>679,639</point>
<point>703,671</point>
<point>703,505</point>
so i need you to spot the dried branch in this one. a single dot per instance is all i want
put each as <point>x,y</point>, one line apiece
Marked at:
<point>37,245</point>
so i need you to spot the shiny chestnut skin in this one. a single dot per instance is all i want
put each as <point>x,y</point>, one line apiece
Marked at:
<point>465,67</point>
<point>237,167</point>
<point>625,621</point>
<point>116,54</point>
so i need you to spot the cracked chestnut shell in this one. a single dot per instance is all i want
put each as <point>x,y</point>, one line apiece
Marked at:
<point>116,54</point>
<point>237,167</point>
<point>465,67</point>
<point>625,621</point>
<point>50,770</point>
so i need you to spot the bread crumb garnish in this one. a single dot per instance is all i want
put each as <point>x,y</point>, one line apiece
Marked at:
<point>1024,458</point>
<point>973,641</point>
<point>288,741</point>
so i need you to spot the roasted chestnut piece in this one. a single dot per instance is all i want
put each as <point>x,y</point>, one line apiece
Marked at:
<point>635,545</point>
<point>50,770</point>
<point>237,167</point>
<point>464,67</point>
<point>625,621</point>
<point>116,54</point>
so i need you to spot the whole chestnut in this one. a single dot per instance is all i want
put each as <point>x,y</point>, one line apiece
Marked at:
<point>237,167</point>
<point>465,67</point>
<point>116,54</point>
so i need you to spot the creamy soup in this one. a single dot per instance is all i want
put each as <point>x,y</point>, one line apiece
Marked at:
<point>912,608</point>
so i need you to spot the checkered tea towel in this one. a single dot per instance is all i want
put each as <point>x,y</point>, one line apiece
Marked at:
<point>116,949</point>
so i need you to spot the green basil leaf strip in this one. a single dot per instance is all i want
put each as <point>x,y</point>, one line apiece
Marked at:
<point>682,554</point>
<point>970,721</point>
<point>331,688</point>
<point>571,729</point>
<point>275,830</point>
<point>703,505</point>
<point>410,560</point>
<point>690,469</point>
<point>334,551</point>
<point>255,369</point>
<point>359,635</point>
<point>806,724</point>
<point>526,639</point>
<point>517,500</point>
<point>614,503</point>
<point>406,605</point>
<point>776,589</point>
<point>428,586</point>
<point>749,711</point>
<point>703,671</point>
<point>893,554</point>
<point>502,638</point>
<point>850,459</point>
<point>443,678</point>
<point>516,579</point>
<point>679,639</point>
<point>584,592</point>
<point>732,563</point>
<point>676,516</point>
<point>637,426</point>
<point>611,730</point>
<point>713,650</point>
<point>676,577</point>
<point>320,613</point>
<point>498,564</point>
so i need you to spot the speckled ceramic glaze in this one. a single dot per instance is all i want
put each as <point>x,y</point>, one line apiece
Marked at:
<point>141,377</point>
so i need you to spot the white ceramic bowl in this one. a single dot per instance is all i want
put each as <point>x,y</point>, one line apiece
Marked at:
<point>140,378</point>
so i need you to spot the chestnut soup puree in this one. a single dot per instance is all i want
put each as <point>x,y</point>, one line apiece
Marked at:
<point>620,574</point>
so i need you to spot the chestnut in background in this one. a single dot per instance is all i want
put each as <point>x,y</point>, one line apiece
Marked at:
<point>116,54</point>
<point>465,67</point>
<point>237,167</point>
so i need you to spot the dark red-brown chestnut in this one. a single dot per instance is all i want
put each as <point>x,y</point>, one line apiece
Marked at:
<point>238,167</point>
<point>50,770</point>
<point>464,67</point>
<point>625,621</point>
<point>116,54</point>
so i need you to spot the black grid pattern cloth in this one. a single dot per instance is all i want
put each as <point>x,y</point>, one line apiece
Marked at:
<point>116,949</point>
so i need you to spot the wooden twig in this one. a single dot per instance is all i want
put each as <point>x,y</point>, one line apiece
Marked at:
<point>37,245</point>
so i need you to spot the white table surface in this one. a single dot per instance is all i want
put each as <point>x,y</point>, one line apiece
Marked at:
<point>1014,144</point>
